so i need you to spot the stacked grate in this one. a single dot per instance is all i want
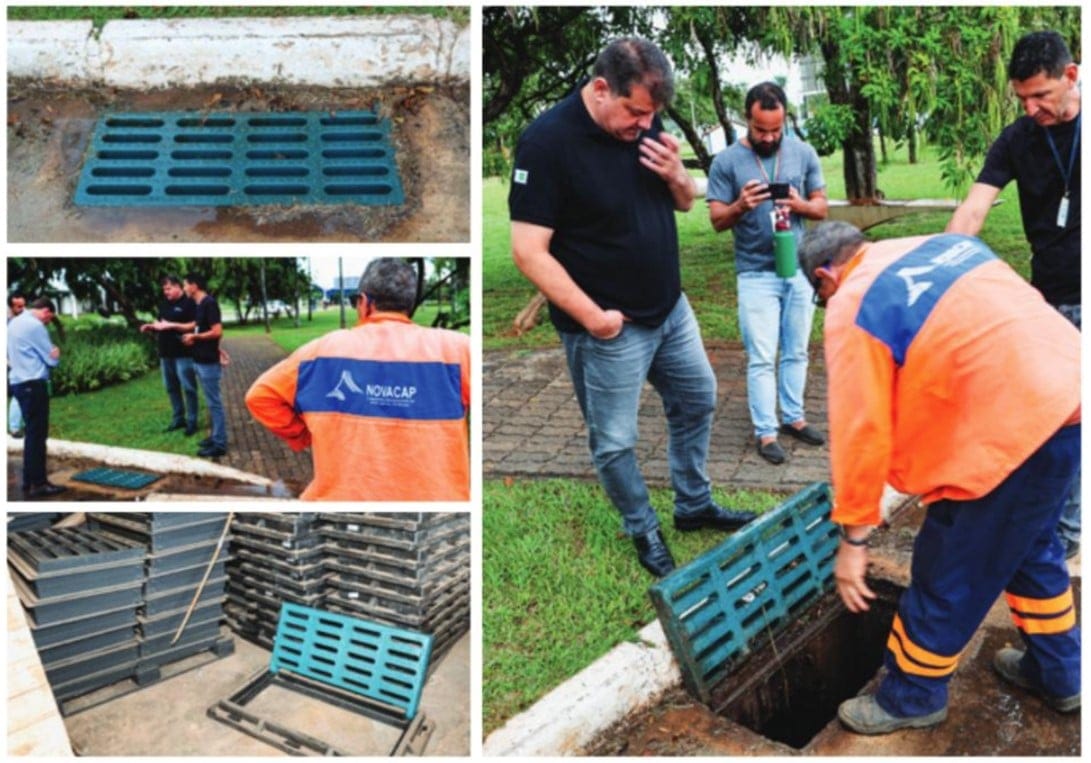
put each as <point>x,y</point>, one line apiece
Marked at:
<point>278,557</point>
<point>81,589</point>
<point>181,545</point>
<point>410,570</point>
<point>236,158</point>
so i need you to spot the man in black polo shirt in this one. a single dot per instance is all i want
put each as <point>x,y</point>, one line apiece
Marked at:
<point>205,341</point>
<point>1041,152</point>
<point>177,314</point>
<point>594,190</point>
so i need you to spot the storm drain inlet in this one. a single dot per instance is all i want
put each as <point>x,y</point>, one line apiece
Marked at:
<point>188,158</point>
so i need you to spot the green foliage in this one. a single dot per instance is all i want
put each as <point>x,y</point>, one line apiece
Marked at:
<point>828,127</point>
<point>96,355</point>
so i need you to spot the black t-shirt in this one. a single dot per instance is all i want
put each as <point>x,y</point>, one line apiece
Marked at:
<point>1022,153</point>
<point>182,310</point>
<point>208,315</point>
<point>612,219</point>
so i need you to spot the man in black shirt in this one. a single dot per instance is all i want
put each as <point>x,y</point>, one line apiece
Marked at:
<point>205,341</point>
<point>594,190</point>
<point>177,314</point>
<point>1041,152</point>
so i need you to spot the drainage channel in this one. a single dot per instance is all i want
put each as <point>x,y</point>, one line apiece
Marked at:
<point>192,158</point>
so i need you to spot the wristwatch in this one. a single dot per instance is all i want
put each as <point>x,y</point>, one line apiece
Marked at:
<point>851,541</point>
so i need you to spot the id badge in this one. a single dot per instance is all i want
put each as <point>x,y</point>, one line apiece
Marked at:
<point>1062,212</point>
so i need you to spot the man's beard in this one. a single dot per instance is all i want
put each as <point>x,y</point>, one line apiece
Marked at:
<point>763,149</point>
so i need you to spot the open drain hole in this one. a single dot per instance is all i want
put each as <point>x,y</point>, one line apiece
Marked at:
<point>790,693</point>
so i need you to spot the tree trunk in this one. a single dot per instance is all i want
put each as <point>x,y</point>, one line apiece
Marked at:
<point>124,305</point>
<point>692,137</point>
<point>882,147</point>
<point>911,139</point>
<point>707,44</point>
<point>858,147</point>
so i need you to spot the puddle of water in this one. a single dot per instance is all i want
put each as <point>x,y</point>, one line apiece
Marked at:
<point>48,132</point>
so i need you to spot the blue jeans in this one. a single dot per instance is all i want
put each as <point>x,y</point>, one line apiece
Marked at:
<point>609,377</point>
<point>33,397</point>
<point>775,312</point>
<point>180,379</point>
<point>1069,526</point>
<point>209,375</point>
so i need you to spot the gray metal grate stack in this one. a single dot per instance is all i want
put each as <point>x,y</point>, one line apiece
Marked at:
<point>411,570</point>
<point>277,557</point>
<point>81,589</point>
<point>181,545</point>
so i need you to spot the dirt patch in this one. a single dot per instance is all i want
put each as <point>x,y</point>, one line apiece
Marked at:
<point>49,128</point>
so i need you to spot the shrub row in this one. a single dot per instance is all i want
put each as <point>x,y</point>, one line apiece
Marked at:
<point>96,356</point>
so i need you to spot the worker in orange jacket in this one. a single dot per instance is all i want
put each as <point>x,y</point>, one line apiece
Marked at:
<point>383,405</point>
<point>951,378</point>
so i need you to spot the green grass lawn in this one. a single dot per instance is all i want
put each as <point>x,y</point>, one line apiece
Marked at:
<point>708,271</point>
<point>94,416</point>
<point>561,586</point>
<point>101,14</point>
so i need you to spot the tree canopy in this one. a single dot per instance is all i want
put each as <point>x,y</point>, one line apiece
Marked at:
<point>904,71</point>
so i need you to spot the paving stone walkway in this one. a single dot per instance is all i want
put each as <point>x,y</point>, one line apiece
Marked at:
<point>250,446</point>
<point>533,428</point>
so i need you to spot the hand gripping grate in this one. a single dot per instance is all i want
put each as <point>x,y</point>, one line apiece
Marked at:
<point>714,608</point>
<point>190,158</point>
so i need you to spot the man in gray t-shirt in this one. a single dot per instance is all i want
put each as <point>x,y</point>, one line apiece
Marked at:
<point>773,311</point>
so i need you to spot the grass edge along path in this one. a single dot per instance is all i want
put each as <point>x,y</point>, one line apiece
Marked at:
<point>561,585</point>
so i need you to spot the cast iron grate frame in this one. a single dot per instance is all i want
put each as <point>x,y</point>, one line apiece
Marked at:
<point>122,478</point>
<point>193,158</point>
<point>749,586</point>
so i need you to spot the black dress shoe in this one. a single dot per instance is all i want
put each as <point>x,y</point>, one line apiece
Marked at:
<point>771,452</point>
<point>205,443</point>
<point>45,490</point>
<point>211,451</point>
<point>714,517</point>
<point>190,431</point>
<point>653,553</point>
<point>806,433</point>
<point>173,427</point>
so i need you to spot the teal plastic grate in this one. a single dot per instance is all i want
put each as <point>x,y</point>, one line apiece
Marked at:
<point>751,585</point>
<point>116,478</point>
<point>375,661</point>
<point>192,158</point>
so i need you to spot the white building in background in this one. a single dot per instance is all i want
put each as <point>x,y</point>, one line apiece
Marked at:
<point>802,84</point>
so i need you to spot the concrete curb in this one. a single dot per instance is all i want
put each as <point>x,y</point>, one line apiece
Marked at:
<point>627,678</point>
<point>143,459</point>
<point>317,51</point>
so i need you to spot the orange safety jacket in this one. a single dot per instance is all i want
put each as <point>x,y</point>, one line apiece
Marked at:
<point>946,371</point>
<point>383,406</point>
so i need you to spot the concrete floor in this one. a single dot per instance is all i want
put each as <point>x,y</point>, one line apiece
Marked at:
<point>168,718</point>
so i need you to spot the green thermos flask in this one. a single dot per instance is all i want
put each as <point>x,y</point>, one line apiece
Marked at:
<point>784,252</point>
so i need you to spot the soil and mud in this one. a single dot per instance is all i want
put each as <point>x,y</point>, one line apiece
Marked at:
<point>49,127</point>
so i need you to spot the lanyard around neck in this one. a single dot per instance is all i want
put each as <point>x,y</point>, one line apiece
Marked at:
<point>1065,175</point>
<point>761,166</point>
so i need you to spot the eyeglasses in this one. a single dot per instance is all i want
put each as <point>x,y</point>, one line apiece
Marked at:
<point>812,279</point>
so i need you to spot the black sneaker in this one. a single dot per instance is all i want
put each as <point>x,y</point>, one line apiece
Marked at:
<point>175,426</point>
<point>45,490</point>
<point>211,451</point>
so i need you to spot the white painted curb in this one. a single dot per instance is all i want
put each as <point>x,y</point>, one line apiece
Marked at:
<point>144,459</point>
<point>318,51</point>
<point>627,678</point>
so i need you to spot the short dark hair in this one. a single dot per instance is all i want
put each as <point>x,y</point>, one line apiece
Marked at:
<point>197,280</point>
<point>769,95</point>
<point>1037,52</point>
<point>16,295</point>
<point>169,278</point>
<point>390,283</point>
<point>632,61</point>
<point>43,303</point>
<point>831,242</point>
